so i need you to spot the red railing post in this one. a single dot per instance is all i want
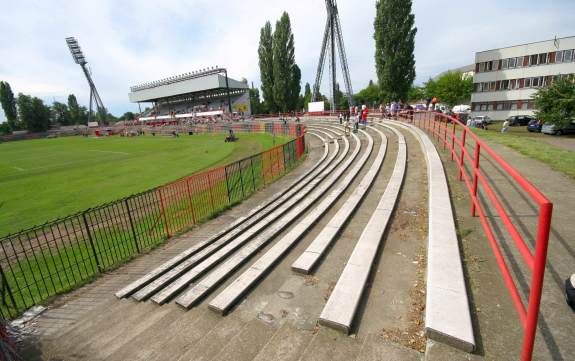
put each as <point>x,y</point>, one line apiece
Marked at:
<point>462,155</point>
<point>445,133</point>
<point>453,140</point>
<point>164,213</point>
<point>543,228</point>
<point>475,171</point>
<point>190,200</point>
<point>211,191</point>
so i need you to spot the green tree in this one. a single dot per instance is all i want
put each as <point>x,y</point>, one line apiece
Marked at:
<point>285,69</point>
<point>128,116</point>
<point>394,44</point>
<point>556,103</point>
<point>265,53</point>
<point>34,115</point>
<point>306,96</point>
<point>60,114</point>
<point>9,105</point>
<point>74,109</point>
<point>368,95</point>
<point>451,88</point>
<point>255,103</point>
<point>295,88</point>
<point>416,93</point>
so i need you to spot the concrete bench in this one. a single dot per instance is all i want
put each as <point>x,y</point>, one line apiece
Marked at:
<point>341,307</point>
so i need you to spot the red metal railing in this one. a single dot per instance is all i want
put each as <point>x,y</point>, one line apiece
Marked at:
<point>467,148</point>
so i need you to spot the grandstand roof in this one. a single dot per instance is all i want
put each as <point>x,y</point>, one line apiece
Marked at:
<point>182,85</point>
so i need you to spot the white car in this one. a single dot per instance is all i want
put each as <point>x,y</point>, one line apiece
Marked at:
<point>462,108</point>
<point>481,119</point>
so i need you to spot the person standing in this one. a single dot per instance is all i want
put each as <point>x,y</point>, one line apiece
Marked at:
<point>364,113</point>
<point>433,102</point>
<point>340,118</point>
<point>346,127</point>
<point>505,126</point>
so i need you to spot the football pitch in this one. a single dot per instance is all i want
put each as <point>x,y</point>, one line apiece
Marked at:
<point>44,179</point>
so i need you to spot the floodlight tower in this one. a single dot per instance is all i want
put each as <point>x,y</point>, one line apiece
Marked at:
<point>80,59</point>
<point>332,36</point>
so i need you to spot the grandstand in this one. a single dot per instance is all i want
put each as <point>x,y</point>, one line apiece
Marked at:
<point>208,93</point>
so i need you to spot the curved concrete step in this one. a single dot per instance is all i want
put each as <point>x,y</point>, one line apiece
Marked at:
<point>318,247</point>
<point>229,296</point>
<point>262,209</point>
<point>343,302</point>
<point>195,293</point>
<point>179,283</point>
<point>447,315</point>
<point>244,231</point>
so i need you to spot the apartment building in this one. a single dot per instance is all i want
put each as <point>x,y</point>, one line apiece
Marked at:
<point>506,79</point>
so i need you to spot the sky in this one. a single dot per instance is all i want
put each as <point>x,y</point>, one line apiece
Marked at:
<point>131,42</point>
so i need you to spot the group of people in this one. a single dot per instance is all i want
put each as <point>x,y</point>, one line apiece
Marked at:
<point>359,117</point>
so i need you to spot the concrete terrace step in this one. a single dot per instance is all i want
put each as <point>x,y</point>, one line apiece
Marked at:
<point>200,289</point>
<point>319,246</point>
<point>180,282</point>
<point>228,297</point>
<point>260,210</point>
<point>447,315</point>
<point>341,307</point>
<point>245,231</point>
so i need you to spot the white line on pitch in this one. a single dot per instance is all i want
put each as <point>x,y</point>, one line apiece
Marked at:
<point>18,168</point>
<point>108,151</point>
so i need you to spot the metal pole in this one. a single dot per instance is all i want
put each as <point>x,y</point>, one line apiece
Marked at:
<point>90,110</point>
<point>333,77</point>
<point>228,92</point>
<point>132,225</point>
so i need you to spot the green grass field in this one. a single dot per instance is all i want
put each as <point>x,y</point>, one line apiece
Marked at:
<point>48,178</point>
<point>532,145</point>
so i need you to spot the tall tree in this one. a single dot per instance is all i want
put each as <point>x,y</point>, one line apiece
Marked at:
<point>255,103</point>
<point>283,63</point>
<point>306,96</point>
<point>8,104</point>
<point>265,52</point>
<point>60,114</point>
<point>34,115</point>
<point>74,109</point>
<point>295,88</point>
<point>394,44</point>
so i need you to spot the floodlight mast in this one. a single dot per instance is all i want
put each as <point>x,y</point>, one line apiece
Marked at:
<point>80,59</point>
<point>332,37</point>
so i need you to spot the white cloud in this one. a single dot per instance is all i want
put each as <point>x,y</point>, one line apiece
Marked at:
<point>131,42</point>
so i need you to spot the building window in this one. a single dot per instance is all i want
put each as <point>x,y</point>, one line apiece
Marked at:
<point>535,82</point>
<point>512,62</point>
<point>528,82</point>
<point>567,55</point>
<point>513,105</point>
<point>524,105</point>
<point>558,56</point>
<point>492,86</point>
<point>521,83</point>
<point>504,84</point>
<point>543,58</point>
<point>499,106</point>
<point>505,64</point>
<point>534,59</point>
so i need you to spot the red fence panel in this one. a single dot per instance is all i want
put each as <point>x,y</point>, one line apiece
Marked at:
<point>467,149</point>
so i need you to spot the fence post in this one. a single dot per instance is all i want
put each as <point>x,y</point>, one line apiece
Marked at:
<point>228,185</point>
<point>242,180</point>
<point>462,153</point>
<point>253,175</point>
<point>91,241</point>
<point>541,243</point>
<point>210,188</point>
<point>190,200</point>
<point>7,287</point>
<point>453,140</point>
<point>475,171</point>
<point>132,225</point>
<point>164,213</point>
<point>284,154</point>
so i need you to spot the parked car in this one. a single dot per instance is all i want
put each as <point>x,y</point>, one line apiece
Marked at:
<point>549,128</point>
<point>462,108</point>
<point>481,119</point>
<point>419,107</point>
<point>534,126</point>
<point>520,120</point>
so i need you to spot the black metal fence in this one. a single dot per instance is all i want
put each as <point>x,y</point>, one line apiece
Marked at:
<point>55,257</point>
